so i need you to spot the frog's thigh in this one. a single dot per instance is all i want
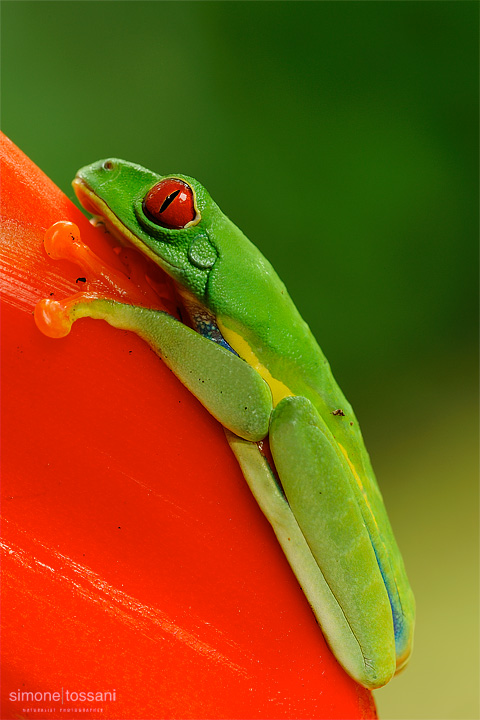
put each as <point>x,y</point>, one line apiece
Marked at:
<point>231,390</point>
<point>317,481</point>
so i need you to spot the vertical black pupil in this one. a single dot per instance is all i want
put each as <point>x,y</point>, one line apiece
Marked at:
<point>168,200</point>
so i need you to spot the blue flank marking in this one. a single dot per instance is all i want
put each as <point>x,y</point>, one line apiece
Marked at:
<point>205,325</point>
<point>397,615</point>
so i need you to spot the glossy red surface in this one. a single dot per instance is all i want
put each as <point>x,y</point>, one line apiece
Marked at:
<point>170,203</point>
<point>135,560</point>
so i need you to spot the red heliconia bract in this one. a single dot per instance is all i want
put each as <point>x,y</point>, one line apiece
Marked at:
<point>139,576</point>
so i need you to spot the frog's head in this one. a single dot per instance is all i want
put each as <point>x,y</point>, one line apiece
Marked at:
<point>170,218</point>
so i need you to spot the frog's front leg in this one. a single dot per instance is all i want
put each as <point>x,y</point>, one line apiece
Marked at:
<point>318,521</point>
<point>231,390</point>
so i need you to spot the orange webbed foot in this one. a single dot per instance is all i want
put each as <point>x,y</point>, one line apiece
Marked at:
<point>126,276</point>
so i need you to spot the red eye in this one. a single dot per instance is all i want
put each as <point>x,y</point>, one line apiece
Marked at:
<point>170,204</point>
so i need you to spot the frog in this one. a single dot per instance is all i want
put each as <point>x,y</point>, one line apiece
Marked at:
<point>244,351</point>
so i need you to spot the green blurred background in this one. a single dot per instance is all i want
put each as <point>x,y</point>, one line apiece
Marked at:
<point>342,138</point>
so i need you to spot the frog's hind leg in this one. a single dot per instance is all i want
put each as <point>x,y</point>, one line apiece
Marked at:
<point>319,525</point>
<point>354,610</point>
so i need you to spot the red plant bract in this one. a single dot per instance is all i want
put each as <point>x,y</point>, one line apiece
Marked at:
<point>136,563</point>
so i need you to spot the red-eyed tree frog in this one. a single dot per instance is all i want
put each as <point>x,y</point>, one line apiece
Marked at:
<point>252,361</point>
